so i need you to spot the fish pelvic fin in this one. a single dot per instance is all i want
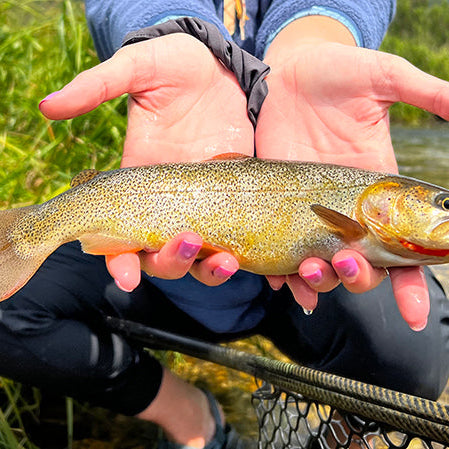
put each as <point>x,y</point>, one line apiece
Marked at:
<point>106,245</point>
<point>339,224</point>
<point>15,270</point>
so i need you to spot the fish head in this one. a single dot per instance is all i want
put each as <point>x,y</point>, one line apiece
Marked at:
<point>409,217</point>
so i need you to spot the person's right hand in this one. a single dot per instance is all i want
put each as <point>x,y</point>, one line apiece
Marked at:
<point>183,106</point>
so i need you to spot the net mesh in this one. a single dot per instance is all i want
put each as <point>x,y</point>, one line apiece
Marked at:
<point>288,420</point>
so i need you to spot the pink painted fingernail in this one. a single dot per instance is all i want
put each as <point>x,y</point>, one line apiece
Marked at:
<point>314,277</point>
<point>419,327</point>
<point>49,96</point>
<point>222,272</point>
<point>348,267</point>
<point>188,250</point>
<point>120,286</point>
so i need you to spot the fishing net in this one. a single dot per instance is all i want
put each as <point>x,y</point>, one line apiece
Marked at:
<point>298,407</point>
<point>289,420</point>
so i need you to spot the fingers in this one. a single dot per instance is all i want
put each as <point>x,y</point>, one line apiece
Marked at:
<point>90,88</point>
<point>316,275</point>
<point>356,273</point>
<point>358,276</point>
<point>348,267</point>
<point>412,296</point>
<point>276,281</point>
<point>178,256</point>
<point>215,269</point>
<point>304,295</point>
<point>175,259</point>
<point>408,84</point>
<point>125,269</point>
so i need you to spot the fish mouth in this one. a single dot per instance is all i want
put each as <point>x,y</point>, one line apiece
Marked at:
<point>441,230</point>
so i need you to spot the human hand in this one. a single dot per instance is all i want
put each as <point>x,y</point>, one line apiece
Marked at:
<point>329,102</point>
<point>183,106</point>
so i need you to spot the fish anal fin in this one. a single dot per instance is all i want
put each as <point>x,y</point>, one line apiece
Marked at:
<point>339,223</point>
<point>229,157</point>
<point>83,176</point>
<point>208,249</point>
<point>98,244</point>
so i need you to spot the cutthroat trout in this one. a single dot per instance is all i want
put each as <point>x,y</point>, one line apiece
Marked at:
<point>269,214</point>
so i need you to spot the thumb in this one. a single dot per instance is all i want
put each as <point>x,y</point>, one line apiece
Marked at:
<point>90,88</point>
<point>402,81</point>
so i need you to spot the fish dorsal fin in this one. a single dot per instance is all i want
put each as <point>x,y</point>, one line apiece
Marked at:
<point>229,157</point>
<point>83,176</point>
<point>339,223</point>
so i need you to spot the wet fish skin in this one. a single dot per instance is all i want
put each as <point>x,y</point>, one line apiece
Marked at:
<point>269,214</point>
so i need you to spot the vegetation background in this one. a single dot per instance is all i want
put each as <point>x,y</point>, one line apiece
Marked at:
<point>43,45</point>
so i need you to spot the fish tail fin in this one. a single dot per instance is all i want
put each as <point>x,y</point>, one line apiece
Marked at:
<point>15,270</point>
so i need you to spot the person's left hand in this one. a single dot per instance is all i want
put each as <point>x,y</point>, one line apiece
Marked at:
<point>329,102</point>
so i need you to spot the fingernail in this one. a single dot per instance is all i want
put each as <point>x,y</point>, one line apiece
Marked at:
<point>307,311</point>
<point>314,277</point>
<point>347,267</point>
<point>418,327</point>
<point>222,272</point>
<point>49,96</point>
<point>188,250</point>
<point>120,286</point>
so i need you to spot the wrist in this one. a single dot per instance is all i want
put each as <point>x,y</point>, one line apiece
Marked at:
<point>308,30</point>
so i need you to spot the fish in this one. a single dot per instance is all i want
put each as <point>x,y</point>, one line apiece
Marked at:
<point>269,214</point>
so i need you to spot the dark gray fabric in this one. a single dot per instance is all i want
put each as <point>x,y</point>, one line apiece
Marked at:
<point>249,71</point>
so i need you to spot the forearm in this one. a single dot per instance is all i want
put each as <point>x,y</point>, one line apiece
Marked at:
<point>367,20</point>
<point>306,30</point>
<point>110,20</point>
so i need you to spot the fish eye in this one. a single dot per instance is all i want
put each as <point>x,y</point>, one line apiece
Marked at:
<point>443,201</point>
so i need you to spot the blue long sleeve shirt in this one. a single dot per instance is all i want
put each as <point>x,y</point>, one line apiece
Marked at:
<point>110,20</point>
<point>239,304</point>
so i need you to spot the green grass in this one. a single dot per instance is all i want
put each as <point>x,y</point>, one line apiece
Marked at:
<point>43,45</point>
<point>419,33</point>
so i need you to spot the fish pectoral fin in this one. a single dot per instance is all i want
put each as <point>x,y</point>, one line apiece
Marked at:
<point>98,244</point>
<point>340,224</point>
<point>83,176</point>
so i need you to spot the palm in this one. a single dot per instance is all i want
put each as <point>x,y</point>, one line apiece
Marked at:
<point>196,109</point>
<point>183,105</point>
<point>339,119</point>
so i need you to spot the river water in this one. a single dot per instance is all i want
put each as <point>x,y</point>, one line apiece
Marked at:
<point>424,154</point>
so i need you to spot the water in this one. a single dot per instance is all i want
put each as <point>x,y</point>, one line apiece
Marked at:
<point>424,154</point>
